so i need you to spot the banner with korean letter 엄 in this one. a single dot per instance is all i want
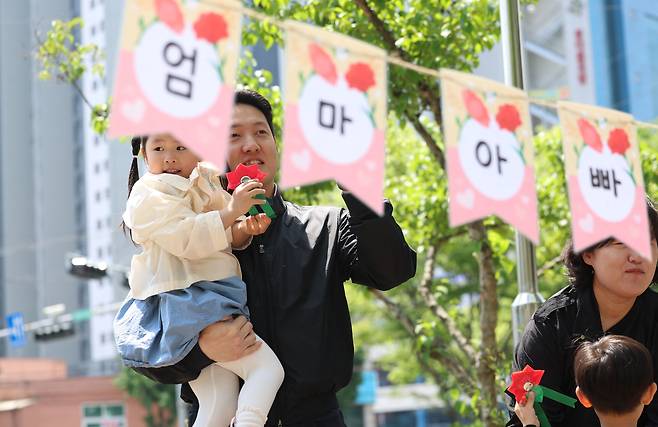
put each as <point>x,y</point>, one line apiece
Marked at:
<point>176,72</point>
<point>604,177</point>
<point>335,112</point>
<point>489,152</point>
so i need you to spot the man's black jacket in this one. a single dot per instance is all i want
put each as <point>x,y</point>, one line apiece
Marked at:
<point>294,274</point>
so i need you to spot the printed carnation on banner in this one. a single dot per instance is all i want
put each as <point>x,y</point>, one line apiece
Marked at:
<point>170,14</point>
<point>359,75</point>
<point>507,117</point>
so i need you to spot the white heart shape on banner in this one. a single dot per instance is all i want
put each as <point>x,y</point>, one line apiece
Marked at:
<point>587,223</point>
<point>302,160</point>
<point>214,122</point>
<point>466,198</point>
<point>133,111</point>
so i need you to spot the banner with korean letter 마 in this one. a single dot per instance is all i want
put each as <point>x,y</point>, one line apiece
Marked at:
<point>489,152</point>
<point>604,177</point>
<point>335,112</point>
<point>176,72</point>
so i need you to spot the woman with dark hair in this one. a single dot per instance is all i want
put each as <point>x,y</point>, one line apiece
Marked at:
<point>608,294</point>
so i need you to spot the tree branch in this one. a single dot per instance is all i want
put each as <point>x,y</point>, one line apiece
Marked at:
<point>438,310</point>
<point>486,363</point>
<point>466,382</point>
<point>429,94</point>
<point>435,150</point>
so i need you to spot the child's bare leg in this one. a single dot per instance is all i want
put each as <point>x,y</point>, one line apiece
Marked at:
<point>217,391</point>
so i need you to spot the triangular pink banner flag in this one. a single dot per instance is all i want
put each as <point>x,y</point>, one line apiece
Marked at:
<point>176,73</point>
<point>335,112</point>
<point>604,177</point>
<point>490,157</point>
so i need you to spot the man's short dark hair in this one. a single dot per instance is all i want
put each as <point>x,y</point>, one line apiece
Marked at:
<point>580,273</point>
<point>256,100</point>
<point>613,372</point>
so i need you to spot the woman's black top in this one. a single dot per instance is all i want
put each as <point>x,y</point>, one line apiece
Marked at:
<point>554,333</point>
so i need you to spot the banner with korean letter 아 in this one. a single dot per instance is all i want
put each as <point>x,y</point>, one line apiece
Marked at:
<point>489,152</point>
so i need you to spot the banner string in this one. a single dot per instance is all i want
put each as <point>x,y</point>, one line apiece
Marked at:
<point>395,60</point>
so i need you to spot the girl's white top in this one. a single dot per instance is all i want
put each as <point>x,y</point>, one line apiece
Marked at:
<point>176,222</point>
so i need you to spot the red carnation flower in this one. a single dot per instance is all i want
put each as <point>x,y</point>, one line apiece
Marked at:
<point>322,63</point>
<point>360,76</point>
<point>211,27</point>
<point>519,380</point>
<point>618,141</point>
<point>169,13</point>
<point>590,135</point>
<point>508,117</point>
<point>475,107</point>
<point>252,172</point>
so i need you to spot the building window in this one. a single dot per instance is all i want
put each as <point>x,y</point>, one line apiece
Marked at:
<point>103,414</point>
<point>97,168</point>
<point>100,253</point>
<point>99,224</point>
<point>107,192</point>
<point>98,196</point>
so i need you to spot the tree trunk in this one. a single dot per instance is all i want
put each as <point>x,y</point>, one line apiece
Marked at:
<point>486,363</point>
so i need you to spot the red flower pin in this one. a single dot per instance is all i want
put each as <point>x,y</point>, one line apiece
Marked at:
<point>475,107</point>
<point>519,380</point>
<point>590,135</point>
<point>360,76</point>
<point>169,13</point>
<point>618,141</point>
<point>508,117</point>
<point>322,63</point>
<point>211,27</point>
<point>235,177</point>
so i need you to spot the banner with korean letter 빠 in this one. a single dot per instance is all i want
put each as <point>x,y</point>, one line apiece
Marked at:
<point>604,177</point>
<point>489,152</point>
<point>335,112</point>
<point>176,72</point>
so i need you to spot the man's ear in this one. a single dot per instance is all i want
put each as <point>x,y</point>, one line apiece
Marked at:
<point>582,398</point>
<point>647,397</point>
<point>587,257</point>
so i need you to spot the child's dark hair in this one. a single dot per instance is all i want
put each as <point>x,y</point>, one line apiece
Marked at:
<point>580,273</point>
<point>613,373</point>
<point>137,144</point>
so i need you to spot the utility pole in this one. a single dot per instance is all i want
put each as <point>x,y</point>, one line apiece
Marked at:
<point>528,298</point>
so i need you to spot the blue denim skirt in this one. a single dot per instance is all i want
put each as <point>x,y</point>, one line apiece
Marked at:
<point>162,329</point>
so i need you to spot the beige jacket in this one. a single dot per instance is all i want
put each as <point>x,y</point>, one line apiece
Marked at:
<point>176,222</point>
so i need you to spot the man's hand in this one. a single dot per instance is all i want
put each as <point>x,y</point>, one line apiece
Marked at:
<point>228,340</point>
<point>244,197</point>
<point>526,412</point>
<point>256,224</point>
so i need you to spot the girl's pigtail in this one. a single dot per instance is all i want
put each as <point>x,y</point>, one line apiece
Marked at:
<point>137,142</point>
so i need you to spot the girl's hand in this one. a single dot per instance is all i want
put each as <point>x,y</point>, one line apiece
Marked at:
<point>244,197</point>
<point>255,225</point>
<point>526,412</point>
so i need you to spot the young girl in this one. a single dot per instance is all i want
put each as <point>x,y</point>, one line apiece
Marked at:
<point>187,278</point>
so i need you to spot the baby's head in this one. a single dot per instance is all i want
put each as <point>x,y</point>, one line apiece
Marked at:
<point>614,375</point>
<point>165,154</point>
